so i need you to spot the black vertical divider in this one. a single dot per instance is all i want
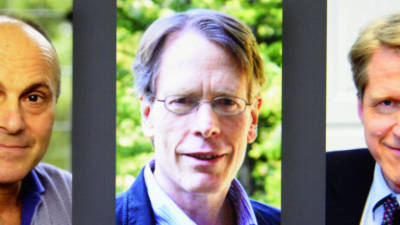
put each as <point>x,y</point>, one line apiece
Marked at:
<point>303,112</point>
<point>93,131</point>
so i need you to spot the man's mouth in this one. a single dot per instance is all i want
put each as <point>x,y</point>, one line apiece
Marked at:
<point>393,147</point>
<point>13,147</point>
<point>205,156</point>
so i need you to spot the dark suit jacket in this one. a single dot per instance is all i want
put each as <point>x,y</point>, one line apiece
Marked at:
<point>133,207</point>
<point>349,177</point>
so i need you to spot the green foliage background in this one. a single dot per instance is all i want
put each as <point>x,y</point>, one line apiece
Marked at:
<point>261,172</point>
<point>52,15</point>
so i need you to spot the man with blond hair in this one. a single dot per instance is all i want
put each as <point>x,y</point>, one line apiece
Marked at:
<point>363,186</point>
<point>31,193</point>
<point>198,76</point>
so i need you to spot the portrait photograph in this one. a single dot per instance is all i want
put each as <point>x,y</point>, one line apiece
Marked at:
<point>362,126</point>
<point>36,112</point>
<point>181,126</point>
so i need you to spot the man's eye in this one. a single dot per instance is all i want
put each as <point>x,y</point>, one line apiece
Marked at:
<point>34,101</point>
<point>387,102</point>
<point>387,106</point>
<point>228,105</point>
<point>34,98</point>
<point>182,101</point>
<point>225,102</point>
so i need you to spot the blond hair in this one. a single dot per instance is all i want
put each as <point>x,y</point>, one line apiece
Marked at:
<point>381,32</point>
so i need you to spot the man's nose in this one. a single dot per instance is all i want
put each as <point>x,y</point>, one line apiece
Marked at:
<point>11,117</point>
<point>206,121</point>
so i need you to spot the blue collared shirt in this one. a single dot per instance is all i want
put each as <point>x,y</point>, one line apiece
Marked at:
<point>373,209</point>
<point>31,190</point>
<point>167,212</point>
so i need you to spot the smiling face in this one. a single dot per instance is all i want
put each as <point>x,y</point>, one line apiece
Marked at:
<point>27,99</point>
<point>380,112</point>
<point>201,151</point>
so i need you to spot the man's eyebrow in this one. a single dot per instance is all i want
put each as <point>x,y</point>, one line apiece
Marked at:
<point>228,91</point>
<point>385,94</point>
<point>36,86</point>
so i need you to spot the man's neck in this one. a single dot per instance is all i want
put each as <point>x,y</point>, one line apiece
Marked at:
<point>10,203</point>
<point>202,208</point>
<point>213,209</point>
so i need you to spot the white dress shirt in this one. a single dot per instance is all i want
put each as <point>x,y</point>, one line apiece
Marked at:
<point>167,212</point>
<point>373,209</point>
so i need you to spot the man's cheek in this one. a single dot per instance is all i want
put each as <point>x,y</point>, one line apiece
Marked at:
<point>40,126</point>
<point>378,127</point>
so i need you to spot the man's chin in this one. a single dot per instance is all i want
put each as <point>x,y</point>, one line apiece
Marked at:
<point>204,185</point>
<point>10,178</point>
<point>12,175</point>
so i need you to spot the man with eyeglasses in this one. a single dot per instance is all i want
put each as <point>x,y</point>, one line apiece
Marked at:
<point>198,76</point>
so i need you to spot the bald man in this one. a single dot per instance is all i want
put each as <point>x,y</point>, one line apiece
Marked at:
<point>30,192</point>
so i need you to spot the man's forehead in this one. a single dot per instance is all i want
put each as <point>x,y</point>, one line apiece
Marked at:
<point>24,52</point>
<point>19,41</point>
<point>15,33</point>
<point>385,61</point>
<point>383,73</point>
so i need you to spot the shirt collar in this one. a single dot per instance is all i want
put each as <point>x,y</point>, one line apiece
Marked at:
<point>241,203</point>
<point>31,191</point>
<point>167,212</point>
<point>32,184</point>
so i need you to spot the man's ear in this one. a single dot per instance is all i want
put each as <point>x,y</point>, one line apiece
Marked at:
<point>145,113</point>
<point>360,110</point>
<point>255,110</point>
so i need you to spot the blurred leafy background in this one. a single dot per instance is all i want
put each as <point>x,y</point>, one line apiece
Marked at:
<point>55,17</point>
<point>261,172</point>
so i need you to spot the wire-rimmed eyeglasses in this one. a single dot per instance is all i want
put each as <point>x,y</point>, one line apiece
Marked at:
<point>222,105</point>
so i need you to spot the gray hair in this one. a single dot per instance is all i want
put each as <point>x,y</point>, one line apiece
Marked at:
<point>227,31</point>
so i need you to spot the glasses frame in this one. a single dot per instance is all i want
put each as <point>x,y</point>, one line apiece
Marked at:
<point>199,101</point>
